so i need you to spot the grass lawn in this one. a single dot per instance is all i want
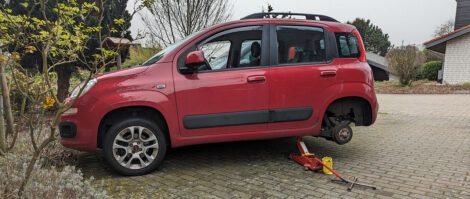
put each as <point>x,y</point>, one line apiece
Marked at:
<point>419,87</point>
<point>138,56</point>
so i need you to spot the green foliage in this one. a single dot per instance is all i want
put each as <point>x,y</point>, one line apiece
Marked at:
<point>406,62</point>
<point>425,51</point>
<point>59,35</point>
<point>139,56</point>
<point>77,77</point>
<point>466,84</point>
<point>374,39</point>
<point>116,21</point>
<point>430,70</point>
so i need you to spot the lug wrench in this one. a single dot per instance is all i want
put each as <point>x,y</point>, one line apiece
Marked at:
<point>310,161</point>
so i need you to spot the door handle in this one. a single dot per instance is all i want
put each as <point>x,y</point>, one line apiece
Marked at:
<point>256,79</point>
<point>328,73</point>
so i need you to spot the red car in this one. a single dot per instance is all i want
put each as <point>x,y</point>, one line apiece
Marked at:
<point>255,78</point>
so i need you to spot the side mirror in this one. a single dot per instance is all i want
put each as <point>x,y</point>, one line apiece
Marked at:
<point>194,60</point>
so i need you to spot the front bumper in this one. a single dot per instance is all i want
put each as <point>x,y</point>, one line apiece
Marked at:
<point>67,129</point>
<point>80,130</point>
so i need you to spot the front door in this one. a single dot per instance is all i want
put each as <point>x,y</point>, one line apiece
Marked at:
<point>229,94</point>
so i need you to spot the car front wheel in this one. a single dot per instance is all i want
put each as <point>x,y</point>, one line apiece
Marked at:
<point>134,146</point>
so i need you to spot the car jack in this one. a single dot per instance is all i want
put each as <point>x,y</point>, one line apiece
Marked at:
<point>311,162</point>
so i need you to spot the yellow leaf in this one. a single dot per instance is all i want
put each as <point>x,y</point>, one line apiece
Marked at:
<point>30,49</point>
<point>49,102</point>
<point>15,56</point>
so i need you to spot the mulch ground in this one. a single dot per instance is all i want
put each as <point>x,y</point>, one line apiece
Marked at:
<point>419,87</point>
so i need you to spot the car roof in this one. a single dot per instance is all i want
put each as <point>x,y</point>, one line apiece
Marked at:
<point>332,26</point>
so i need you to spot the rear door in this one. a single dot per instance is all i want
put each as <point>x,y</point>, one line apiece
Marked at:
<point>302,75</point>
<point>230,93</point>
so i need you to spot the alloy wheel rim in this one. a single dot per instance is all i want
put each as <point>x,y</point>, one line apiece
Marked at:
<point>135,147</point>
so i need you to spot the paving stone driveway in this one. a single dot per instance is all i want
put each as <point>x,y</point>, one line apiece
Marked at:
<point>418,148</point>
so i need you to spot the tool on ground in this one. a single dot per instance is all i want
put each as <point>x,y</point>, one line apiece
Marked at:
<point>311,162</point>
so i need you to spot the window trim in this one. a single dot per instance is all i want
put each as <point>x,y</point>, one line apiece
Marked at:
<point>265,54</point>
<point>274,58</point>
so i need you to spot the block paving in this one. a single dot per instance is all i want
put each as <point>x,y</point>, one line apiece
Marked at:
<point>419,147</point>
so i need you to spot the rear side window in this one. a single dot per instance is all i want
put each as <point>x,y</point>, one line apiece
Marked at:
<point>348,45</point>
<point>300,44</point>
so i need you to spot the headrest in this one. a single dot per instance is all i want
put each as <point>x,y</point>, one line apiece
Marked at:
<point>291,53</point>
<point>255,49</point>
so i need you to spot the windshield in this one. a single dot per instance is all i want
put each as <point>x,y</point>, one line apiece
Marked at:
<point>167,50</point>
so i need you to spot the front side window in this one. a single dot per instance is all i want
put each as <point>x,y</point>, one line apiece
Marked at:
<point>348,45</point>
<point>299,44</point>
<point>250,53</point>
<point>216,54</point>
<point>230,49</point>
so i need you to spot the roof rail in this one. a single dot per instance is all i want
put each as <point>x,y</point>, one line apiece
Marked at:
<point>317,17</point>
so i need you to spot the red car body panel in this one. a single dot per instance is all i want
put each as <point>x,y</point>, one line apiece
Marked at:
<point>220,92</point>
<point>290,83</point>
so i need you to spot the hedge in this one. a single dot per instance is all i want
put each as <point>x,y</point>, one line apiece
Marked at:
<point>430,70</point>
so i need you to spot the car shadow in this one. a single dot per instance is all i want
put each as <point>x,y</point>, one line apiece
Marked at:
<point>219,155</point>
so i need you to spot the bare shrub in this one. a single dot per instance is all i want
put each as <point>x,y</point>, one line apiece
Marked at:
<point>172,20</point>
<point>44,183</point>
<point>406,62</point>
<point>444,28</point>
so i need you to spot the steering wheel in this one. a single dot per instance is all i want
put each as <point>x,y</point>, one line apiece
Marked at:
<point>206,66</point>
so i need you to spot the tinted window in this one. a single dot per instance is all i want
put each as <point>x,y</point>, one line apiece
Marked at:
<point>299,44</point>
<point>250,53</point>
<point>233,48</point>
<point>348,45</point>
<point>216,54</point>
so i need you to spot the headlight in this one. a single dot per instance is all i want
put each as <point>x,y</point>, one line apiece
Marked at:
<point>88,86</point>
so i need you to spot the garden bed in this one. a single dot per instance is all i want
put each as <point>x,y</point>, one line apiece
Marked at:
<point>420,87</point>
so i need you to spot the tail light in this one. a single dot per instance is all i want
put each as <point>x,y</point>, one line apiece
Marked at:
<point>362,58</point>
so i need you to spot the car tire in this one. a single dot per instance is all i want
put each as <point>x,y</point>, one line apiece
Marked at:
<point>134,146</point>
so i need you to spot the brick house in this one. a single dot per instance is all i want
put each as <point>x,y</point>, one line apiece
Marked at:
<point>456,46</point>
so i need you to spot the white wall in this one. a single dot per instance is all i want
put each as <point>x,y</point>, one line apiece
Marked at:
<point>457,60</point>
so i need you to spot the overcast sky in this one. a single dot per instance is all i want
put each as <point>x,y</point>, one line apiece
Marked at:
<point>410,21</point>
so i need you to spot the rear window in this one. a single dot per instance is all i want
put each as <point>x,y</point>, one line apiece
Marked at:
<point>348,45</point>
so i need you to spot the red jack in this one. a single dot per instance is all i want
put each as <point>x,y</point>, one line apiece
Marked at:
<point>310,161</point>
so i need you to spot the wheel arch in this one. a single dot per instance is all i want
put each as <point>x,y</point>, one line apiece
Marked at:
<point>359,107</point>
<point>120,113</point>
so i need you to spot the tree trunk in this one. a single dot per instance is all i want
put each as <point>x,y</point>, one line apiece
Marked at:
<point>2,130</point>
<point>6,100</point>
<point>64,72</point>
<point>118,60</point>
<point>3,142</point>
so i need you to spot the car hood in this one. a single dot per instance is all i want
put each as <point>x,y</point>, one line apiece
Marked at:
<point>122,73</point>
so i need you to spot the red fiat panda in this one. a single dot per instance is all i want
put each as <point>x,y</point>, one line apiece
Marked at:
<point>255,78</point>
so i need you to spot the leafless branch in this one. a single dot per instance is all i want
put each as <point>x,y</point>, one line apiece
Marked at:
<point>172,20</point>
